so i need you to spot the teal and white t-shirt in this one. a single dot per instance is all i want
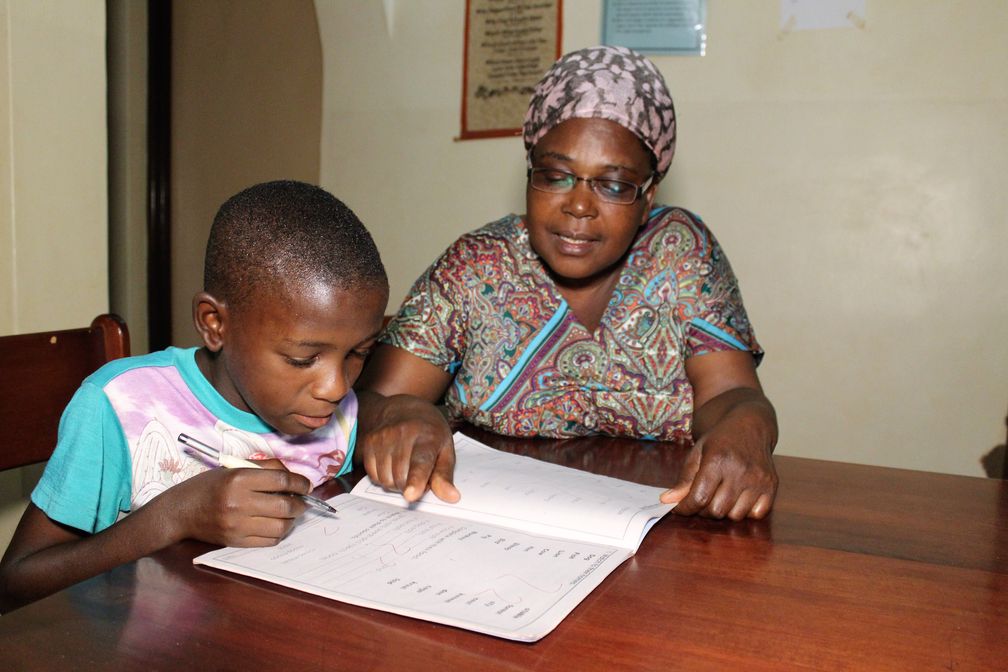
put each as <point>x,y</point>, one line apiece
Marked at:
<point>118,439</point>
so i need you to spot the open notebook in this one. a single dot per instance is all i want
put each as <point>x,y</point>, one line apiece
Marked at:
<point>528,541</point>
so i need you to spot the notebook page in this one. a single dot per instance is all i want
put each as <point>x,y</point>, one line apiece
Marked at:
<point>472,575</point>
<point>538,497</point>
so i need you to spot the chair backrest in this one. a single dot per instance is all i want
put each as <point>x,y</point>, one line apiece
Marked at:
<point>38,375</point>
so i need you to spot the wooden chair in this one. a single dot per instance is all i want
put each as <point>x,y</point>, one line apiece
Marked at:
<point>38,375</point>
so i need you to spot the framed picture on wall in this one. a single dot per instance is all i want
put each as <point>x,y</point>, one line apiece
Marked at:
<point>509,44</point>
<point>656,26</point>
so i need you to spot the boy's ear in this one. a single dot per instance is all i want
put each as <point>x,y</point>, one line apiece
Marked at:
<point>210,318</point>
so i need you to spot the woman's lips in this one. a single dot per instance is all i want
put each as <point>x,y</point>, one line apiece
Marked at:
<point>573,245</point>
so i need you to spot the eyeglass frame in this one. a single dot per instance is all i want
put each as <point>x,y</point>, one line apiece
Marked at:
<point>591,182</point>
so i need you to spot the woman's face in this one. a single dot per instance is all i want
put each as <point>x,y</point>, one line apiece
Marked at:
<point>581,238</point>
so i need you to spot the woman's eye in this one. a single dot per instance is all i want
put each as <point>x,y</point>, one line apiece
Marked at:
<point>614,187</point>
<point>557,177</point>
<point>362,353</point>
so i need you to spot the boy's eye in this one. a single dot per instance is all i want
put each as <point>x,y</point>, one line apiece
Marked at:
<point>302,362</point>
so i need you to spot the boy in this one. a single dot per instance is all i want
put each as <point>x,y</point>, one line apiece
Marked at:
<point>294,294</point>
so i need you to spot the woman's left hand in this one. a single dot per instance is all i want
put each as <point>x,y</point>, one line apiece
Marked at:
<point>730,470</point>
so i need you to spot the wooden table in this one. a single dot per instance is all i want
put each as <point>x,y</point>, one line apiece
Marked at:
<point>857,568</point>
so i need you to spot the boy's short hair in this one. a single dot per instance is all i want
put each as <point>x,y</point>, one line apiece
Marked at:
<point>284,233</point>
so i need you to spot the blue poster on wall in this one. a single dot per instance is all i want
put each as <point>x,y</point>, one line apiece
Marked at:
<point>656,26</point>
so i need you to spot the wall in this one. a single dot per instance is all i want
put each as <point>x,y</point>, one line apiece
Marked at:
<point>53,204</point>
<point>242,114</point>
<point>854,177</point>
<point>246,108</point>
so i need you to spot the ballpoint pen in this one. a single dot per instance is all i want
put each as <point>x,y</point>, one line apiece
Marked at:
<point>234,462</point>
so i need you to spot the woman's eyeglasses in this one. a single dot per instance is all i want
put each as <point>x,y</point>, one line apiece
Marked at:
<point>554,181</point>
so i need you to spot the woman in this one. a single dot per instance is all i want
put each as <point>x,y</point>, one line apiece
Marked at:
<point>596,312</point>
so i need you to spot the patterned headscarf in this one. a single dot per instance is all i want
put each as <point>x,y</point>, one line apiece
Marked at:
<point>604,82</point>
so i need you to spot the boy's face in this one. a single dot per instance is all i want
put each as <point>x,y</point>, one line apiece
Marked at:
<point>291,356</point>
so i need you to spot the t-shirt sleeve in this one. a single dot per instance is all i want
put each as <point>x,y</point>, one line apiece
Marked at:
<point>88,480</point>
<point>718,320</point>
<point>431,323</point>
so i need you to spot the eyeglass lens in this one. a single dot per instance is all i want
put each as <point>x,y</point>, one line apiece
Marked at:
<point>561,182</point>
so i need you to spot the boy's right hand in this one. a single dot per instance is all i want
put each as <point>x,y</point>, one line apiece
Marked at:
<point>239,507</point>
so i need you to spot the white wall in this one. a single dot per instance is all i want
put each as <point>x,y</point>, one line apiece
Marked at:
<point>53,180</point>
<point>854,176</point>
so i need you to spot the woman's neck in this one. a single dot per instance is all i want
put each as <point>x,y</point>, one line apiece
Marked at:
<point>589,298</point>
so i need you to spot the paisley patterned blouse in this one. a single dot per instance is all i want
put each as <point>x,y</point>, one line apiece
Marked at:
<point>487,312</point>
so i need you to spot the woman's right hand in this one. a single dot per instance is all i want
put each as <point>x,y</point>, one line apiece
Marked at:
<point>407,445</point>
<point>404,441</point>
